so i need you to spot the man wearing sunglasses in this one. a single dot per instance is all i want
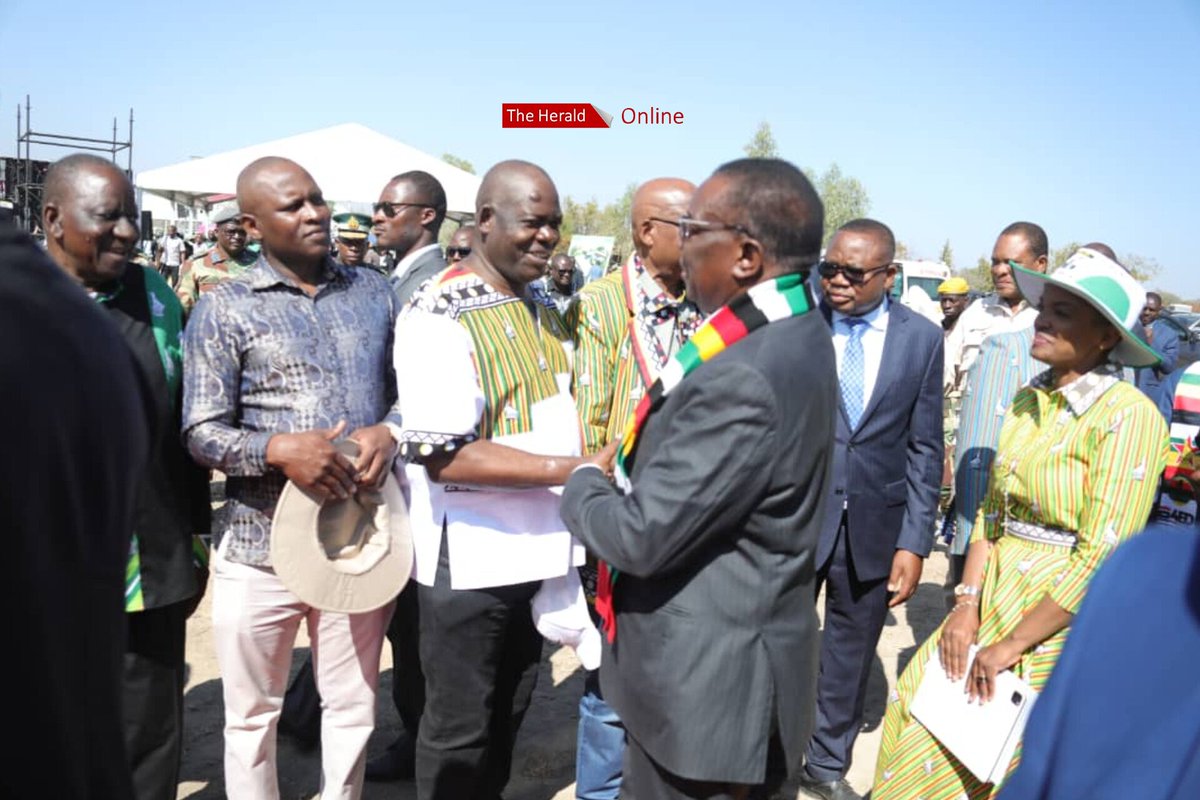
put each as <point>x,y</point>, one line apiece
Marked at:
<point>562,280</point>
<point>459,246</point>
<point>887,471</point>
<point>407,220</point>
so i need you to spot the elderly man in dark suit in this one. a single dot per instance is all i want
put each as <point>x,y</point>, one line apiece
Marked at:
<point>887,471</point>
<point>711,621</point>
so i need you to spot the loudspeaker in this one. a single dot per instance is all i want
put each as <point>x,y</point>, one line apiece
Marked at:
<point>147,225</point>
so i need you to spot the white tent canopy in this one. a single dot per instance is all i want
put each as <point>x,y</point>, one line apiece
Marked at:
<point>351,163</point>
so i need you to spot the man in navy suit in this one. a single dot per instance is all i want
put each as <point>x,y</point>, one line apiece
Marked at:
<point>887,466</point>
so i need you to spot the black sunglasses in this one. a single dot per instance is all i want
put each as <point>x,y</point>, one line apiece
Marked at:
<point>673,222</point>
<point>461,252</point>
<point>391,209</point>
<point>853,275</point>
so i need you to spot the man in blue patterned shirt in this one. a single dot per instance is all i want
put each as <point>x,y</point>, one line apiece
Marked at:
<point>279,363</point>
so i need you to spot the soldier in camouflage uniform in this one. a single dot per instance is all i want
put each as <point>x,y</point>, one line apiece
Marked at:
<point>228,258</point>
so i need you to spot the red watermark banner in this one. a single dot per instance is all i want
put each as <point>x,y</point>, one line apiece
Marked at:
<point>553,115</point>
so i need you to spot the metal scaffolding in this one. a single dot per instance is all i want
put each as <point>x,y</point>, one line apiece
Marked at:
<point>26,191</point>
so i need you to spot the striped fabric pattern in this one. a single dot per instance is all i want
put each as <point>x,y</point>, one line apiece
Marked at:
<point>134,600</point>
<point>608,384</point>
<point>1003,366</point>
<point>1082,459</point>
<point>516,357</point>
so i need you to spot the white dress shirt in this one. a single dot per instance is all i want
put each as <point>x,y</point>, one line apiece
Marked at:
<point>872,342</point>
<point>405,263</point>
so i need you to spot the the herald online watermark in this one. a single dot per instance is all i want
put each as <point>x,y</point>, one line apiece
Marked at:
<point>580,115</point>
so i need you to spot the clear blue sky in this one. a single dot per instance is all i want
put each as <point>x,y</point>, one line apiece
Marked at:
<point>957,117</point>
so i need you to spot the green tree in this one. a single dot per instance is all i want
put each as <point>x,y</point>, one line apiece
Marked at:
<point>947,255</point>
<point>762,145</point>
<point>1141,267</point>
<point>461,163</point>
<point>979,277</point>
<point>591,219</point>
<point>844,198</point>
<point>902,252</point>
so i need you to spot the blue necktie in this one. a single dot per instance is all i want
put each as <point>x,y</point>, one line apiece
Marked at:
<point>853,367</point>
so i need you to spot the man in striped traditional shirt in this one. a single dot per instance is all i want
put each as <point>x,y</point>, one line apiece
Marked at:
<point>630,323</point>
<point>489,430</point>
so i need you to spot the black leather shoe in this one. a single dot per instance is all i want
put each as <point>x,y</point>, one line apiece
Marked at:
<point>396,763</point>
<point>827,790</point>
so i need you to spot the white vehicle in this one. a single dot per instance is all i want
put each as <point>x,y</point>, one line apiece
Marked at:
<point>917,284</point>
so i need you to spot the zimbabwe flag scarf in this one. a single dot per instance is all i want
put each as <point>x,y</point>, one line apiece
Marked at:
<point>770,301</point>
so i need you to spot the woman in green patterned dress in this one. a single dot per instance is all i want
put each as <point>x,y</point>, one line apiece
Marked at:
<point>1075,474</point>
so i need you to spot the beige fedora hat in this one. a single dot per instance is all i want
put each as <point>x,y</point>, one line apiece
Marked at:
<point>350,556</point>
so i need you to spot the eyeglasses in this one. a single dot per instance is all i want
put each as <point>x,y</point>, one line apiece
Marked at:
<point>689,227</point>
<point>672,222</point>
<point>391,209</point>
<point>853,275</point>
<point>461,252</point>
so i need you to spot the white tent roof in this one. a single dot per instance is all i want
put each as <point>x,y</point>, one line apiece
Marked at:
<point>351,163</point>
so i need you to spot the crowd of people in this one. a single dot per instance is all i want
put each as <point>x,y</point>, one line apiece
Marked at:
<point>692,450</point>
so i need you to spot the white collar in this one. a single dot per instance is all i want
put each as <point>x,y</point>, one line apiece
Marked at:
<point>876,318</point>
<point>406,262</point>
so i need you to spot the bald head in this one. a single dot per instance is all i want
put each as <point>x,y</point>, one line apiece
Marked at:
<point>283,207</point>
<point>259,178</point>
<point>509,180</point>
<point>65,175</point>
<point>518,217</point>
<point>90,217</point>
<point>661,197</point>
<point>657,206</point>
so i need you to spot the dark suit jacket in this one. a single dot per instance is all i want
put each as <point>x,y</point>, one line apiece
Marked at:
<point>889,468</point>
<point>424,268</point>
<point>716,624</point>
<point>77,439</point>
<point>173,503</point>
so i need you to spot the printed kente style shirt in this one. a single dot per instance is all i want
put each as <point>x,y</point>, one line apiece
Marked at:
<point>262,357</point>
<point>627,328</point>
<point>478,363</point>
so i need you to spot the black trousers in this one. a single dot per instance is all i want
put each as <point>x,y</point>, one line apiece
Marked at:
<point>481,652</point>
<point>854,614</point>
<point>152,697</point>
<point>642,779</point>
<point>302,703</point>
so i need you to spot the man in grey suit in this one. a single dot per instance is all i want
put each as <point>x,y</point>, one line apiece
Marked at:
<point>407,220</point>
<point>887,470</point>
<point>714,658</point>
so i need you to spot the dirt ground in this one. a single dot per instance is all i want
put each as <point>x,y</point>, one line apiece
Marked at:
<point>544,763</point>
